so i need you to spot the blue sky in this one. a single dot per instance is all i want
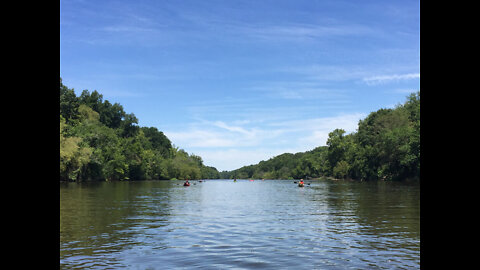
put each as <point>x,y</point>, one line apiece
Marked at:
<point>237,82</point>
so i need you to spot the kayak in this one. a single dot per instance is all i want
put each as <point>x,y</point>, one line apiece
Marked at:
<point>186,184</point>
<point>300,185</point>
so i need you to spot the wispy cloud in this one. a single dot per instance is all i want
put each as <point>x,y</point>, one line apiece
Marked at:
<point>238,129</point>
<point>305,31</point>
<point>315,73</point>
<point>201,138</point>
<point>233,158</point>
<point>240,142</point>
<point>298,89</point>
<point>127,29</point>
<point>228,21</point>
<point>403,91</point>
<point>319,76</point>
<point>374,80</point>
<point>266,81</point>
<point>218,134</point>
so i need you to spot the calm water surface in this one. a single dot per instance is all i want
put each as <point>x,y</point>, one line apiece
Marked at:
<point>221,224</point>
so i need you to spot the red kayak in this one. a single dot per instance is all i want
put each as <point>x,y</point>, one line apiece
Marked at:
<point>186,184</point>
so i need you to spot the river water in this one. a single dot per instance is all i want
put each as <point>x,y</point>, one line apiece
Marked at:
<point>221,224</point>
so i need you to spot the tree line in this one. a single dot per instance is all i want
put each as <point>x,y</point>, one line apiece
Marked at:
<point>386,146</point>
<point>100,141</point>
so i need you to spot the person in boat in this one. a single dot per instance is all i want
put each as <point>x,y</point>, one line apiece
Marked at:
<point>301,182</point>
<point>186,182</point>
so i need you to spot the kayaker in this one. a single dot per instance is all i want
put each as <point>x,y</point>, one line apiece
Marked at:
<point>301,182</point>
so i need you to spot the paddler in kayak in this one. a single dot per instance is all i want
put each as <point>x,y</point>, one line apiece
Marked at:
<point>186,183</point>
<point>301,184</point>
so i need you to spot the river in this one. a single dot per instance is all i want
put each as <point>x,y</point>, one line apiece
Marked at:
<point>221,224</point>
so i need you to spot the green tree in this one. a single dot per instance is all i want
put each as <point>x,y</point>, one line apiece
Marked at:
<point>74,155</point>
<point>336,147</point>
<point>99,141</point>
<point>93,100</point>
<point>111,115</point>
<point>116,168</point>
<point>129,126</point>
<point>341,169</point>
<point>68,104</point>
<point>158,141</point>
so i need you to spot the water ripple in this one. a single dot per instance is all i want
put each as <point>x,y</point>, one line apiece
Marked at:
<point>243,225</point>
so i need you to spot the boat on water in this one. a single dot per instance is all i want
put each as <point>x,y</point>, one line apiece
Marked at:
<point>186,184</point>
<point>301,183</point>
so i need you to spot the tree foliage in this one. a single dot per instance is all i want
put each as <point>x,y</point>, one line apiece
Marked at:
<point>99,141</point>
<point>386,146</point>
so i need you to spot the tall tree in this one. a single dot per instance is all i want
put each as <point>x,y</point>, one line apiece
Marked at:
<point>68,103</point>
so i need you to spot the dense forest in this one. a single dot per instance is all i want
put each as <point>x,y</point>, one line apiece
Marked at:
<point>99,141</point>
<point>386,146</point>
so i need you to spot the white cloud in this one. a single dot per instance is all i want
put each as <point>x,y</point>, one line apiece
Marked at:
<point>234,158</point>
<point>221,124</point>
<point>404,91</point>
<point>320,73</point>
<point>127,29</point>
<point>388,78</point>
<point>200,138</point>
<point>230,146</point>
<point>305,31</point>
<point>313,76</point>
<point>312,133</point>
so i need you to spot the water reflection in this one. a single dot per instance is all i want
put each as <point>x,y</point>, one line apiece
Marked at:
<point>100,219</point>
<point>379,219</point>
<point>223,224</point>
